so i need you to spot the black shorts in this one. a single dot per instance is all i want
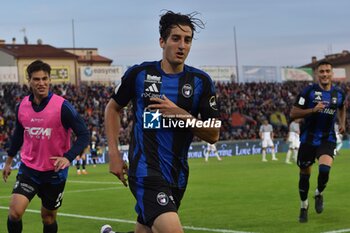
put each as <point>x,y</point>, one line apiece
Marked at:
<point>51,195</point>
<point>154,197</point>
<point>93,154</point>
<point>308,153</point>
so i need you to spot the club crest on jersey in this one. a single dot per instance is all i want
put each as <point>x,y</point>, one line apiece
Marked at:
<point>187,90</point>
<point>162,199</point>
<point>334,100</point>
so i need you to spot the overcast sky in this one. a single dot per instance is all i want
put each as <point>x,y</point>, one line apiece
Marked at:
<point>268,32</point>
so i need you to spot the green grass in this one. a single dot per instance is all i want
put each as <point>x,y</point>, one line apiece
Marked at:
<point>236,194</point>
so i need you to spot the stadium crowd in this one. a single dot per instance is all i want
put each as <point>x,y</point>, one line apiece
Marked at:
<point>252,102</point>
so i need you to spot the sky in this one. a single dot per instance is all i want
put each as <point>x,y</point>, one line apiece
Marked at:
<point>268,32</point>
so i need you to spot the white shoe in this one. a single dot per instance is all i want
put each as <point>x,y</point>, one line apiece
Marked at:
<point>288,162</point>
<point>274,158</point>
<point>106,229</point>
<point>264,160</point>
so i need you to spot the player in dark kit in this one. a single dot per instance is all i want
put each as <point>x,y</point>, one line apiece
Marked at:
<point>320,105</point>
<point>158,168</point>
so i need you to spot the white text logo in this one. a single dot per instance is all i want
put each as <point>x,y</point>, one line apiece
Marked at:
<point>38,132</point>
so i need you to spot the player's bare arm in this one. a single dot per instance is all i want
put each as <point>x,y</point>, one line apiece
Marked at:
<point>60,162</point>
<point>112,122</point>
<point>342,119</point>
<point>301,113</point>
<point>6,172</point>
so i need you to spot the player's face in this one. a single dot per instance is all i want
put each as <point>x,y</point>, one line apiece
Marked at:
<point>177,46</point>
<point>325,75</point>
<point>39,84</point>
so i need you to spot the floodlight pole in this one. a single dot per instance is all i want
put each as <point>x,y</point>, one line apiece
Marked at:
<point>236,53</point>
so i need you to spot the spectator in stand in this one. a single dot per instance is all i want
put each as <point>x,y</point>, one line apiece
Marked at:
<point>245,98</point>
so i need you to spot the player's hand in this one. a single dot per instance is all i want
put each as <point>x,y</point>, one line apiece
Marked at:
<point>168,108</point>
<point>161,103</point>
<point>60,163</point>
<point>118,167</point>
<point>319,107</point>
<point>6,172</point>
<point>341,129</point>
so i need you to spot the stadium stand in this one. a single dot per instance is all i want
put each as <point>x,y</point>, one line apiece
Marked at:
<point>242,107</point>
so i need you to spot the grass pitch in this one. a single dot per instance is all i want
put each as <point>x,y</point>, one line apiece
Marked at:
<point>238,194</point>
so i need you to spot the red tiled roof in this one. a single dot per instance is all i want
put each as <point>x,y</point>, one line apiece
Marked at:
<point>35,51</point>
<point>95,58</point>
<point>337,59</point>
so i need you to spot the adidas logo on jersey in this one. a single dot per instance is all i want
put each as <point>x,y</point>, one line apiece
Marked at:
<point>152,88</point>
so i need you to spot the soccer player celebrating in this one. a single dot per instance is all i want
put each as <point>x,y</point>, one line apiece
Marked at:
<point>319,104</point>
<point>158,167</point>
<point>43,130</point>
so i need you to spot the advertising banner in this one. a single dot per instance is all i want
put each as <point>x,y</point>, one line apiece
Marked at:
<point>196,150</point>
<point>101,73</point>
<point>221,73</point>
<point>260,74</point>
<point>339,74</point>
<point>296,74</point>
<point>8,74</point>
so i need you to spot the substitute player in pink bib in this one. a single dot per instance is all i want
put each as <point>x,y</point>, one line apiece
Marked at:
<point>42,134</point>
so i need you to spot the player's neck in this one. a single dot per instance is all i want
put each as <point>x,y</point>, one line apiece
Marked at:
<point>169,68</point>
<point>37,99</point>
<point>325,87</point>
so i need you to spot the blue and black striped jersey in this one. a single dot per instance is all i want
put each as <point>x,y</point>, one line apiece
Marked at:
<point>318,128</point>
<point>163,151</point>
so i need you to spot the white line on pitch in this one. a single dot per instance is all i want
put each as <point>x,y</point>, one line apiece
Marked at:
<point>338,231</point>
<point>91,190</point>
<point>92,182</point>
<point>132,222</point>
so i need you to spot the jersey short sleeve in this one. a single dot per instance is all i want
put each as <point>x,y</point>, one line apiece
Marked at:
<point>302,100</point>
<point>208,106</point>
<point>124,92</point>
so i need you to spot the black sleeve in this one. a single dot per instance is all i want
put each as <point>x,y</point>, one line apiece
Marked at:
<point>72,120</point>
<point>302,100</point>
<point>16,137</point>
<point>343,96</point>
<point>207,105</point>
<point>125,91</point>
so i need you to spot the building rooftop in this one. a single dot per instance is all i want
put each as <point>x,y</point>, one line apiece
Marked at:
<point>35,51</point>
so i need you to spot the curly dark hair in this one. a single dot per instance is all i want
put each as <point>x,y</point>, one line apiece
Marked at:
<point>170,20</point>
